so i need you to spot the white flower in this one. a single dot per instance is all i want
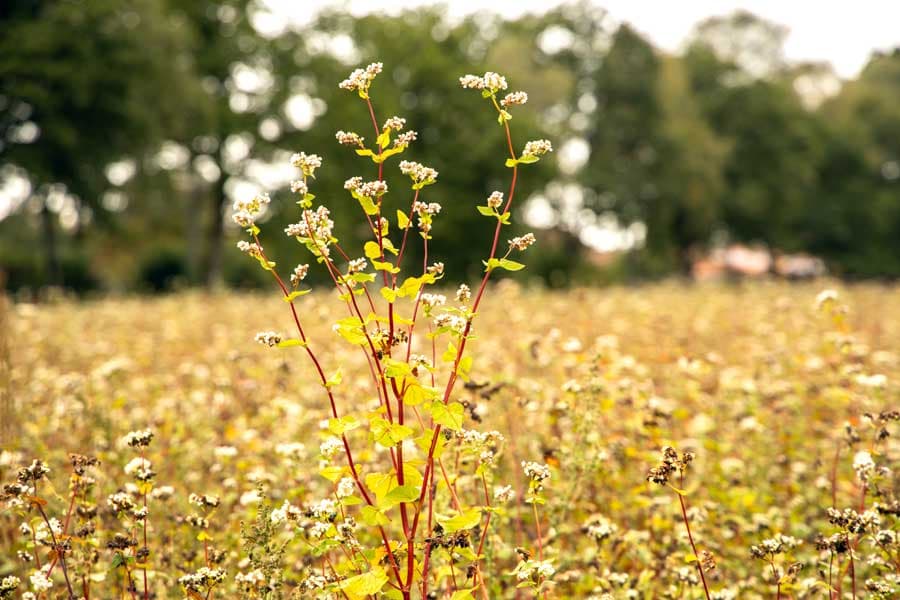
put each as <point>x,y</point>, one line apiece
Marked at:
<point>268,338</point>
<point>863,465</point>
<point>360,79</point>
<point>250,497</point>
<point>523,242</point>
<point>504,494</point>
<point>514,99</point>
<point>225,451</point>
<point>825,297</point>
<point>307,163</point>
<point>138,438</point>
<point>345,487</point>
<point>39,582</point>
<point>537,148</point>
<point>330,447</point>
<point>136,464</point>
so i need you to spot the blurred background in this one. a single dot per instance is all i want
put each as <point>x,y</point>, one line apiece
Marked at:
<point>710,140</point>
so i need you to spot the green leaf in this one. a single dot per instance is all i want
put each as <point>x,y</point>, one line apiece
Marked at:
<point>417,394</point>
<point>388,294</point>
<point>365,152</point>
<point>385,266</point>
<point>424,443</point>
<point>487,211</point>
<point>295,294</point>
<point>402,219</point>
<point>389,434</point>
<point>511,162</point>
<point>335,379</point>
<point>503,263</point>
<point>343,424</point>
<point>291,343</point>
<point>394,368</point>
<point>372,516</point>
<point>384,139</point>
<point>367,584</point>
<point>332,474</point>
<point>465,594</point>
<point>465,520</point>
<point>528,159</point>
<point>372,250</point>
<point>402,493</point>
<point>380,483</point>
<point>368,206</point>
<point>448,415</point>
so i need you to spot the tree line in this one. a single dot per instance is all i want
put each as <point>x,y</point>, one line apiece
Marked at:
<point>136,125</point>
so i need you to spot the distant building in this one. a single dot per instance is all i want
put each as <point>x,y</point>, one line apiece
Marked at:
<point>741,261</point>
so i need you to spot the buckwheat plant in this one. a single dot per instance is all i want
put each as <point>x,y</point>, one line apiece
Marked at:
<point>671,464</point>
<point>396,522</point>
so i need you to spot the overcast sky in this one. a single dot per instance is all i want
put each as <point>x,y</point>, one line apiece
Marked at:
<point>843,33</point>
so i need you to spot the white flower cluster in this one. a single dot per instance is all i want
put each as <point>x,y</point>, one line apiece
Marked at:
<point>202,580</point>
<point>254,579</point>
<point>357,265</point>
<point>268,338</point>
<point>514,99</point>
<point>504,494</point>
<point>345,487</point>
<point>330,447</point>
<point>247,211</point>
<point>299,186</point>
<point>285,513</point>
<point>291,450</point>
<point>425,211</point>
<point>406,138</point>
<point>360,79</point>
<point>349,138</point>
<point>373,189</point>
<point>533,569</point>
<point>490,81</point>
<point>863,465</point>
<point>39,582</point>
<point>140,468</point>
<point>204,500</point>
<point>8,585</point>
<point>495,199</point>
<point>395,123</point>
<point>250,248</point>
<point>419,360</point>
<point>430,301</point>
<point>463,294</point>
<point>436,268</point>
<point>423,208</point>
<point>43,534</point>
<point>536,471</point>
<point>454,323</point>
<point>299,274</point>
<point>523,242</point>
<point>599,528</point>
<point>308,163</point>
<point>537,148</point>
<point>315,224</point>
<point>137,439</point>
<point>418,172</point>
<point>323,510</point>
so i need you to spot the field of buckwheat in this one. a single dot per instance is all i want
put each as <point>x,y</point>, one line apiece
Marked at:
<point>665,441</point>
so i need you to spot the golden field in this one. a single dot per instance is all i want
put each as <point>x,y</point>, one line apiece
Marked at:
<point>759,381</point>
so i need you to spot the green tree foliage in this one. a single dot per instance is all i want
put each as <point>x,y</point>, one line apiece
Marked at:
<point>83,84</point>
<point>721,141</point>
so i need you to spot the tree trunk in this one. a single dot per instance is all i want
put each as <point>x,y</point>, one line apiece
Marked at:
<point>53,275</point>
<point>215,234</point>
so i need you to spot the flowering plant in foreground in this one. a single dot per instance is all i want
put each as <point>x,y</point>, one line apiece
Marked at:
<point>396,521</point>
